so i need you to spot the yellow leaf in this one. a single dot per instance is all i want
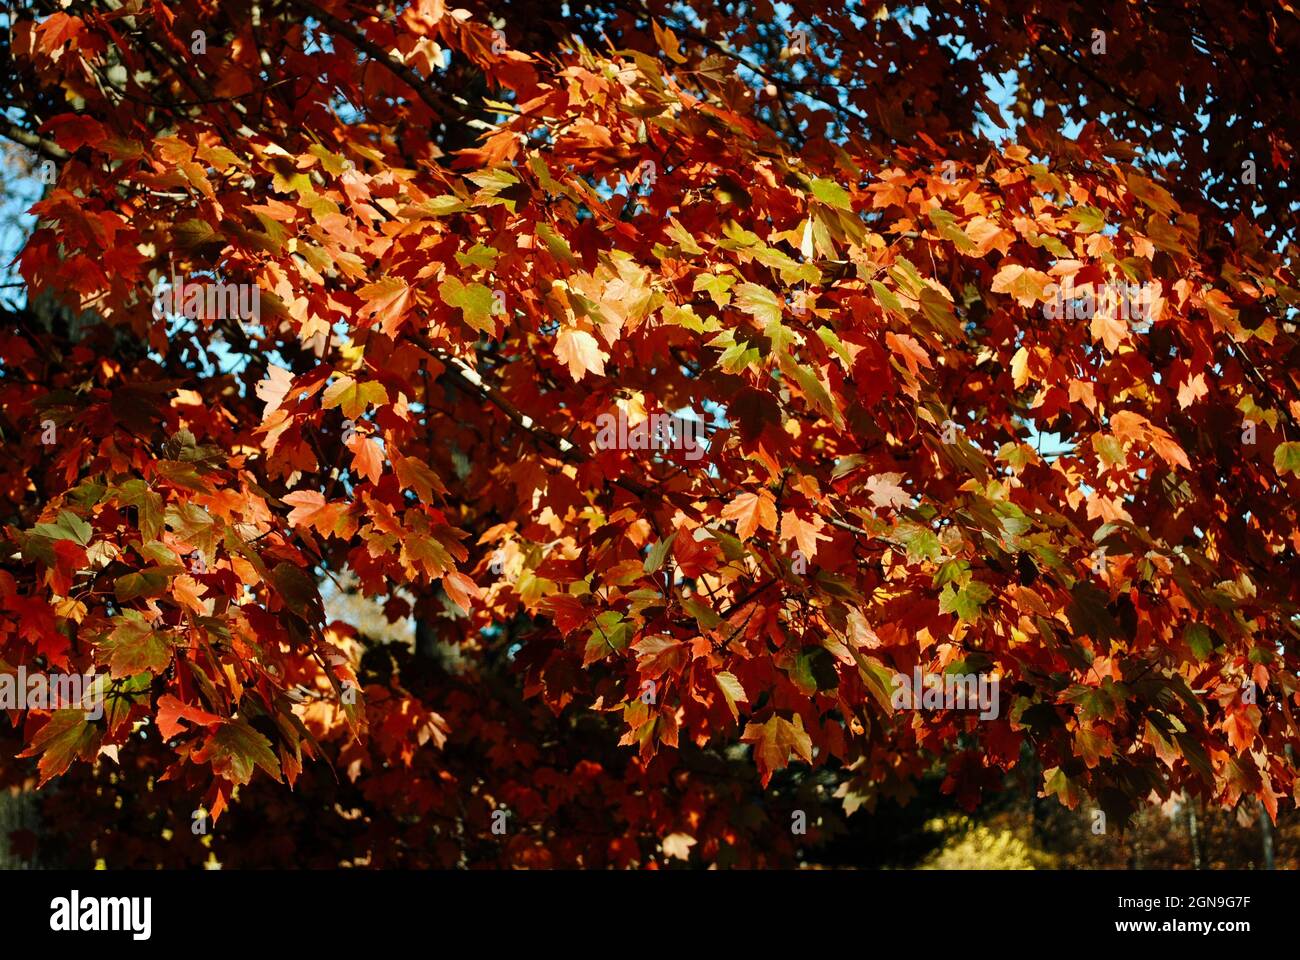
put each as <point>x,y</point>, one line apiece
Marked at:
<point>1020,367</point>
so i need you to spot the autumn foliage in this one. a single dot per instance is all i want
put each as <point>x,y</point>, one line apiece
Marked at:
<point>473,234</point>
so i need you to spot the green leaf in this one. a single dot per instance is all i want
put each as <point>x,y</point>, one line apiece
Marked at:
<point>685,242</point>
<point>1153,195</point>
<point>759,302</point>
<point>1195,754</point>
<point>658,552</point>
<point>183,475</point>
<point>1088,614</point>
<point>832,194</point>
<point>121,695</point>
<point>556,244</point>
<point>492,182</point>
<point>235,749</point>
<point>67,736</point>
<point>298,590</point>
<point>814,670</point>
<point>922,543</point>
<point>1108,448</point>
<point>194,233</point>
<point>946,225</point>
<point>134,646</point>
<point>737,357</point>
<point>1197,636</point>
<point>479,255</point>
<point>878,679</point>
<point>1048,242</point>
<point>443,205</point>
<point>88,493</point>
<point>951,571</point>
<point>717,286</point>
<point>1287,457</point>
<point>885,297</point>
<point>938,309</point>
<point>148,505</point>
<point>829,337</point>
<point>151,582</point>
<point>474,300</point>
<point>813,389</point>
<point>610,634</point>
<point>686,317</point>
<point>1089,219</point>
<point>907,277</point>
<point>69,527</point>
<point>704,615</point>
<point>965,602</point>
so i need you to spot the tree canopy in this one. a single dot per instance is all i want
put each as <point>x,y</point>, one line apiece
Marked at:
<point>860,253</point>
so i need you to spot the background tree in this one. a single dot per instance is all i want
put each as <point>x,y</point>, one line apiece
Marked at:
<point>477,232</point>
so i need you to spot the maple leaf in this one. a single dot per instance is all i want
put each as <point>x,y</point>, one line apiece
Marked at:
<point>194,526</point>
<point>1020,367</point>
<point>965,601</point>
<point>367,458</point>
<point>171,711</point>
<point>462,590</point>
<point>1109,329</point>
<point>579,350</point>
<point>65,737</point>
<point>274,388</point>
<point>135,646</point>
<point>352,396</point>
<point>189,593</point>
<point>1026,284</point>
<point>1168,449</point>
<point>759,302</point>
<point>474,300</point>
<point>750,511</point>
<point>659,654</point>
<point>805,533</point>
<point>1192,390</point>
<point>912,353</point>
<point>234,749</point>
<point>886,494</point>
<point>775,741</point>
<point>1241,726</point>
<point>610,633</point>
<point>415,474</point>
<point>298,591</point>
<point>1286,458</point>
<point>311,510</point>
<point>831,193</point>
<point>387,301</point>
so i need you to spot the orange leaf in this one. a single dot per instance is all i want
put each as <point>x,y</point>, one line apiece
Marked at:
<point>387,301</point>
<point>750,511</point>
<point>803,532</point>
<point>367,458</point>
<point>171,711</point>
<point>461,589</point>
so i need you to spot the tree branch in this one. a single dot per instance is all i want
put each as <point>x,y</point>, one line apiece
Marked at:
<point>440,104</point>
